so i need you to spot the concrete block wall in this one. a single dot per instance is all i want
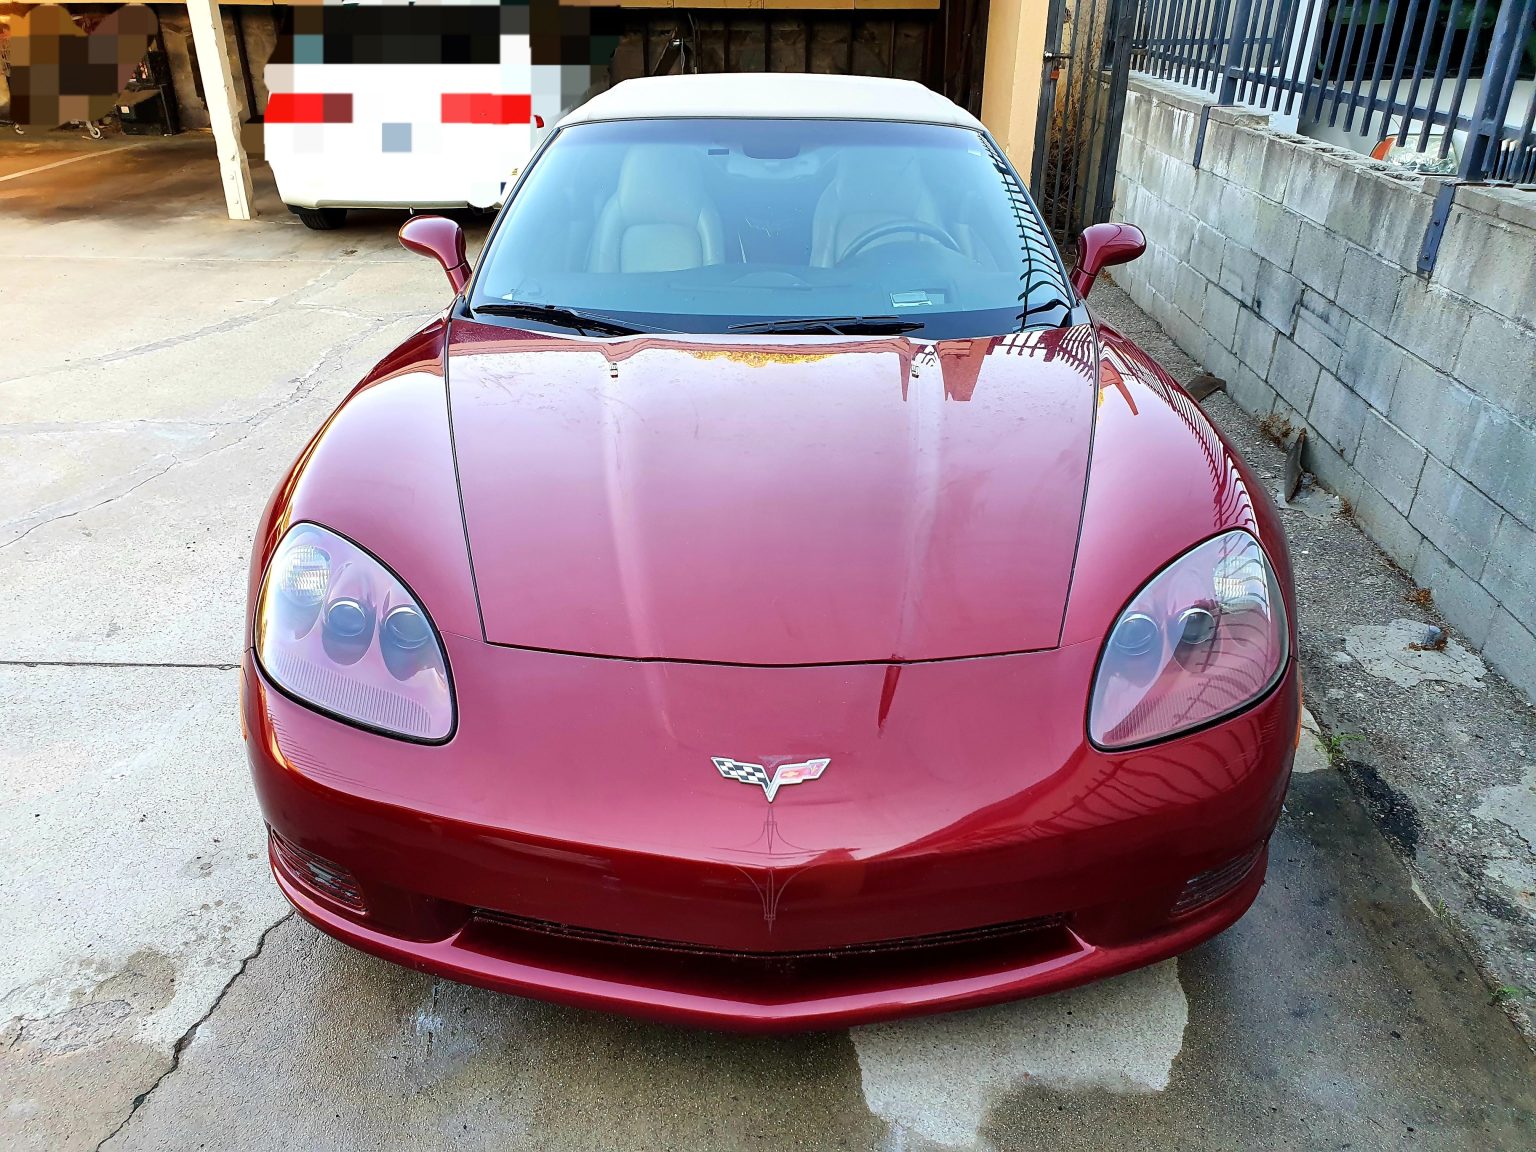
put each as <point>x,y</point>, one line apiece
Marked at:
<point>1288,268</point>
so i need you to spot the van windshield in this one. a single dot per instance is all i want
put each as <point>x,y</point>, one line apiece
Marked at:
<point>705,225</point>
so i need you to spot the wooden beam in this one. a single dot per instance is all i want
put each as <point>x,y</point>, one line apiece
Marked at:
<point>223,105</point>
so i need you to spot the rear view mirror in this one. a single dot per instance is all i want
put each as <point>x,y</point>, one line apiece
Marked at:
<point>1099,246</point>
<point>443,240</point>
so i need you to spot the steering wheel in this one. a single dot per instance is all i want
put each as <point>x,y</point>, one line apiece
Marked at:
<point>864,239</point>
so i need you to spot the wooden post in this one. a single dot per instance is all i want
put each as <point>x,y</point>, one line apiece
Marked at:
<point>223,105</point>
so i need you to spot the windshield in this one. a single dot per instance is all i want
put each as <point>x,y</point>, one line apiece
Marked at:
<point>709,225</point>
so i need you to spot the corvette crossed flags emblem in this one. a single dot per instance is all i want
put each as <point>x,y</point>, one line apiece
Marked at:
<point>770,782</point>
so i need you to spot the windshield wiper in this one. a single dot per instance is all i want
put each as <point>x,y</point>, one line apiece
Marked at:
<point>839,325</point>
<point>574,318</point>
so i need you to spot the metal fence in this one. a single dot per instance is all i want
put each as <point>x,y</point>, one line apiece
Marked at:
<point>1441,83</point>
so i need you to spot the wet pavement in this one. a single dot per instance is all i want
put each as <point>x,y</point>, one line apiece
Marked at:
<point>157,993</point>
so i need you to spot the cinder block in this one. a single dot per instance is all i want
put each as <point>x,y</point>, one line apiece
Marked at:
<point>1219,360</point>
<point>1178,181</point>
<point>1430,323</point>
<point>1388,527</point>
<point>1497,359</point>
<point>1275,233</point>
<point>1500,459</point>
<point>1205,250</point>
<point>1331,469</point>
<point>1455,517</point>
<point>1249,390</point>
<point>1239,270</point>
<point>1279,161</point>
<point>1433,409</point>
<point>1239,212</point>
<point>1368,288</point>
<point>1337,414</point>
<point>1511,571</point>
<point>1488,260</point>
<point>1370,364</point>
<point>1389,461</point>
<point>1402,214</point>
<point>1254,342</point>
<point>1178,233</point>
<point>1276,296</point>
<point>1205,201</point>
<point>1322,329</point>
<point>1221,311</point>
<point>1294,375</point>
<point>1461,600</point>
<point>1189,292</point>
<point>1511,648</point>
<point>1310,191</point>
<point>1353,207</point>
<point>1319,260</point>
<point>1238,153</point>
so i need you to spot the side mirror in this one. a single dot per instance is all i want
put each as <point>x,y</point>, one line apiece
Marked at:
<point>443,240</point>
<point>1099,246</point>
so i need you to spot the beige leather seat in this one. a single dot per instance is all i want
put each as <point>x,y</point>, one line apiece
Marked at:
<point>659,219</point>
<point>866,192</point>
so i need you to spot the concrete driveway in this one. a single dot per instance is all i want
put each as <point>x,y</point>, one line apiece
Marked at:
<point>160,366</point>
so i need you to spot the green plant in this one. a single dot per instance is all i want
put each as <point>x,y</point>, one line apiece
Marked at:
<point>1333,745</point>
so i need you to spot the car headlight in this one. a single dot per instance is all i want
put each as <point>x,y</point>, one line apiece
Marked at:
<point>337,630</point>
<point>1203,638</point>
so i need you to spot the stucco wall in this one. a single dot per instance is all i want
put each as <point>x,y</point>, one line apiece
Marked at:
<point>1289,269</point>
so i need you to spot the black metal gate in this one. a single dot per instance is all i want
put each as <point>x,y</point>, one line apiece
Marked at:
<point>1082,97</point>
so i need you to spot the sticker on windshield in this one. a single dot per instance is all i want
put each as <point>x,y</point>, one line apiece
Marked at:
<point>909,299</point>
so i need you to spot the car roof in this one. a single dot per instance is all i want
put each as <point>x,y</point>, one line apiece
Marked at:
<point>773,95</point>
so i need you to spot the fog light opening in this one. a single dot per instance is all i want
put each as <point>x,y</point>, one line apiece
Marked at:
<point>1205,887</point>
<point>313,871</point>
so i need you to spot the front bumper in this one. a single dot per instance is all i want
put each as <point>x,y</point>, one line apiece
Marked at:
<point>965,846</point>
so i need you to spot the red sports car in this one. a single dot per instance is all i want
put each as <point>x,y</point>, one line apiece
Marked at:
<point>767,596</point>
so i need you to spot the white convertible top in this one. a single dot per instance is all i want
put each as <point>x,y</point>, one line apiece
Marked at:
<point>772,95</point>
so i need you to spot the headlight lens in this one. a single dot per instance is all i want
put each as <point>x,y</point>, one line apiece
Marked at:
<point>1206,636</point>
<point>337,630</point>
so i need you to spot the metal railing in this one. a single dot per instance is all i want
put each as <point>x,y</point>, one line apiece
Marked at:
<point>1427,75</point>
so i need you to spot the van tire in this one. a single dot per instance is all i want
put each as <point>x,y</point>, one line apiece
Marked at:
<point>321,219</point>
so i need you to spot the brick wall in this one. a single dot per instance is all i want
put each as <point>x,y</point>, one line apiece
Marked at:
<point>1289,269</point>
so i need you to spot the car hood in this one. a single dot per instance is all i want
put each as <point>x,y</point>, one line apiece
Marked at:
<point>772,500</point>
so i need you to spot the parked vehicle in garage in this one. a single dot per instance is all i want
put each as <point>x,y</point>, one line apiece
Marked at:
<point>391,106</point>
<point>768,597</point>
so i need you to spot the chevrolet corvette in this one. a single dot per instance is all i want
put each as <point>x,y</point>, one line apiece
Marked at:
<point>768,596</point>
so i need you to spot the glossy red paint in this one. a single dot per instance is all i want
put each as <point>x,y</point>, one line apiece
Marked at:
<point>440,238</point>
<point>1101,245</point>
<point>962,794</point>
<point>770,503</point>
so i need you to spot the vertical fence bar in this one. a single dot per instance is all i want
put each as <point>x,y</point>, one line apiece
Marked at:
<point>1431,107</point>
<point>1321,85</point>
<point>1399,63</point>
<point>1485,136</point>
<point>1519,165</point>
<point>1454,111</point>
<point>1305,56</point>
<point>1158,36</point>
<point>1381,59</point>
<point>1361,65</point>
<point>1197,46</point>
<point>1412,101</point>
<point>1344,59</point>
<point>1231,68</point>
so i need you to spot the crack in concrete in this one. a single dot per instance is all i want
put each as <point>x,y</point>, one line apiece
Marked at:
<point>265,308</point>
<point>303,386</point>
<point>155,475</point>
<point>190,1034</point>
